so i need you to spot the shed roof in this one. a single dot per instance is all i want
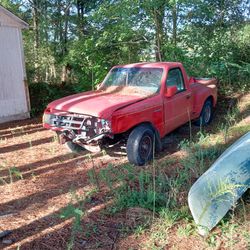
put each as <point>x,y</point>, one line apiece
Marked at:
<point>7,18</point>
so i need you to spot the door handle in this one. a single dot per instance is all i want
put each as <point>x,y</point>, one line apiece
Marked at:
<point>188,96</point>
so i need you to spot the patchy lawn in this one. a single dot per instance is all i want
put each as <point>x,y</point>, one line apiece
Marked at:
<point>52,199</point>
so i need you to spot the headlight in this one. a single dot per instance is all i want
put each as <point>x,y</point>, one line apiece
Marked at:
<point>106,123</point>
<point>104,126</point>
<point>47,118</point>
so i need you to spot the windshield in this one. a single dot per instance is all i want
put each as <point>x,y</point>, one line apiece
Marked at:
<point>147,79</point>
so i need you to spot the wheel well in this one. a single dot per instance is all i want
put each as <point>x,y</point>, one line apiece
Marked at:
<point>210,98</point>
<point>158,145</point>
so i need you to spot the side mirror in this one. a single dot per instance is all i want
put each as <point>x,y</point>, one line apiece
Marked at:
<point>171,91</point>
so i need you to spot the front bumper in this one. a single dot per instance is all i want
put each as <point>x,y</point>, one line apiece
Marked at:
<point>78,128</point>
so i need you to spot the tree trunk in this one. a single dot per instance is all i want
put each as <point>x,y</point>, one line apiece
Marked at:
<point>159,31</point>
<point>174,14</point>
<point>80,14</point>
<point>64,76</point>
<point>65,32</point>
<point>35,19</point>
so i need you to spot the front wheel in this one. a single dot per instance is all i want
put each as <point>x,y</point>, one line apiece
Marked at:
<point>73,147</point>
<point>206,114</point>
<point>140,145</point>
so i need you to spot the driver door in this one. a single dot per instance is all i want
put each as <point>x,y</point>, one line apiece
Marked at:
<point>178,107</point>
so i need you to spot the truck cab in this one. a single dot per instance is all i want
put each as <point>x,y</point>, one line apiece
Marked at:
<point>140,102</point>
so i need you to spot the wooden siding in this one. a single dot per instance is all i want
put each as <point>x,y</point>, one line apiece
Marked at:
<point>9,19</point>
<point>13,101</point>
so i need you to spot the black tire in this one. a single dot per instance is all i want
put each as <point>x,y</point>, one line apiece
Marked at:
<point>140,145</point>
<point>206,115</point>
<point>74,148</point>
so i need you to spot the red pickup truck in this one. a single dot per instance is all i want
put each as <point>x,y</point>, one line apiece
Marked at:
<point>140,103</point>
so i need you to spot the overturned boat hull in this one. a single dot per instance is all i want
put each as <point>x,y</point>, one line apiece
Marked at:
<point>218,189</point>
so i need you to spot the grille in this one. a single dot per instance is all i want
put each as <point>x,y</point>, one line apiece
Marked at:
<point>74,122</point>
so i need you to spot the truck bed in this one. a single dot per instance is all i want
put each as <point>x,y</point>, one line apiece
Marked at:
<point>209,82</point>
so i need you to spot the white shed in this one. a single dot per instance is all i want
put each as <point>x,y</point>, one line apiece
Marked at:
<point>14,95</point>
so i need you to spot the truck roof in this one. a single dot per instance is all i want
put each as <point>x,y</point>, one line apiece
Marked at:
<point>150,65</point>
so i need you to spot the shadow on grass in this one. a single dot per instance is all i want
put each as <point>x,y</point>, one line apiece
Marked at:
<point>36,169</point>
<point>29,131</point>
<point>52,188</point>
<point>25,145</point>
<point>99,231</point>
<point>38,164</point>
<point>15,125</point>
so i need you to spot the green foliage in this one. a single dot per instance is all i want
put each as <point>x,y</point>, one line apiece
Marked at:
<point>75,211</point>
<point>14,172</point>
<point>42,93</point>
<point>200,155</point>
<point>77,42</point>
<point>186,230</point>
<point>158,234</point>
<point>135,188</point>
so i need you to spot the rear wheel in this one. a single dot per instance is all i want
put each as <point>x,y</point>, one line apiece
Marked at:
<point>206,114</point>
<point>140,145</point>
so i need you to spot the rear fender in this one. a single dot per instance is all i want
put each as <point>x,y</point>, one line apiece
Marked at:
<point>198,104</point>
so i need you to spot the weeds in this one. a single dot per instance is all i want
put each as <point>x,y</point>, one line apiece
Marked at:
<point>212,240</point>
<point>158,234</point>
<point>91,229</point>
<point>93,175</point>
<point>133,187</point>
<point>140,189</point>
<point>232,116</point>
<point>186,230</point>
<point>75,212</point>
<point>246,235</point>
<point>200,154</point>
<point>231,119</point>
<point>139,230</point>
<point>224,128</point>
<point>15,172</point>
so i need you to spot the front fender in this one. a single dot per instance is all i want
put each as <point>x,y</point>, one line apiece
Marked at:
<point>125,122</point>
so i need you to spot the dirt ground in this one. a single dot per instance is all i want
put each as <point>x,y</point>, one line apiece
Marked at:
<point>38,177</point>
<point>30,206</point>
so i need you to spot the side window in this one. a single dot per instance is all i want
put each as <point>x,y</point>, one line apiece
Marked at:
<point>175,78</point>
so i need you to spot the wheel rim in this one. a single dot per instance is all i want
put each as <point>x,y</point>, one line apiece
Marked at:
<point>145,147</point>
<point>207,114</point>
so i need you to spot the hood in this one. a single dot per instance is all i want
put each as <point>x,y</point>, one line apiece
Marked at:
<point>95,103</point>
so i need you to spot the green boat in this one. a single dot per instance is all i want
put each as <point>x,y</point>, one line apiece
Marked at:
<point>219,188</point>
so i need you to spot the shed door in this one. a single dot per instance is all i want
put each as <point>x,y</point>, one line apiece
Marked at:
<point>12,91</point>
